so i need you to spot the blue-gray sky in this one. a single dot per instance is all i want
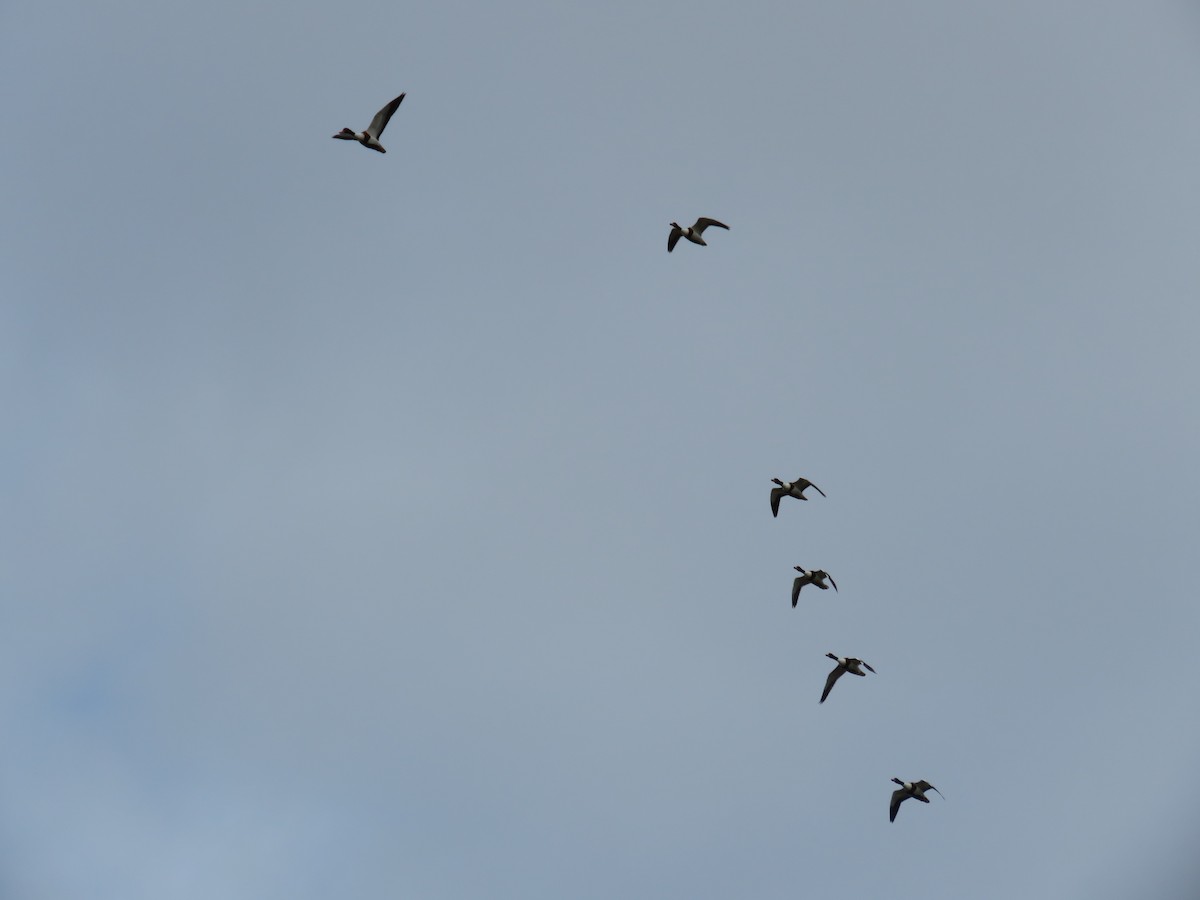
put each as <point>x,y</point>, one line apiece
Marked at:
<point>397,526</point>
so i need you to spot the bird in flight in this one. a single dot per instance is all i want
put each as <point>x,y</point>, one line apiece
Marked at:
<point>914,789</point>
<point>844,664</point>
<point>693,233</point>
<point>790,489</point>
<point>815,577</point>
<point>370,137</point>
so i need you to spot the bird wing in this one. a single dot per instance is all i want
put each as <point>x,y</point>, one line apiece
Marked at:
<point>796,585</point>
<point>703,223</point>
<point>837,673</point>
<point>674,238</point>
<point>776,493</point>
<point>926,786</point>
<point>375,129</point>
<point>804,484</point>
<point>898,797</point>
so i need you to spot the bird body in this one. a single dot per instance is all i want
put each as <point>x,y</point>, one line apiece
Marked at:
<point>914,789</point>
<point>693,233</point>
<point>370,137</point>
<point>790,489</point>
<point>816,577</point>
<point>844,664</point>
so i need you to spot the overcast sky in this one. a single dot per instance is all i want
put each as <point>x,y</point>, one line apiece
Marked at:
<point>398,525</point>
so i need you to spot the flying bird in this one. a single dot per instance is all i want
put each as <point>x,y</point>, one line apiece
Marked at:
<point>844,665</point>
<point>370,137</point>
<point>816,577</point>
<point>914,789</point>
<point>790,489</point>
<point>693,233</point>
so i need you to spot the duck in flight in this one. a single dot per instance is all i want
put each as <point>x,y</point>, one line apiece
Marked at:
<point>693,233</point>
<point>815,577</point>
<point>844,664</point>
<point>914,789</point>
<point>370,137</point>
<point>790,489</point>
